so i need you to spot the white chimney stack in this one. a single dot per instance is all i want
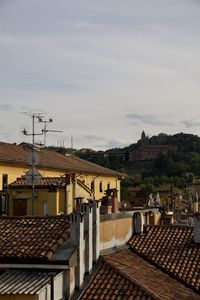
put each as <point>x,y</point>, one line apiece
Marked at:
<point>87,210</point>
<point>96,229</point>
<point>77,239</point>
<point>197,228</point>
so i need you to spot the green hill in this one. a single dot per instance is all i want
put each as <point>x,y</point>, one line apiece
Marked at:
<point>178,166</point>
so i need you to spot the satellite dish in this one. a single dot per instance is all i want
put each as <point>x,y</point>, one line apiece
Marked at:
<point>33,176</point>
<point>33,157</point>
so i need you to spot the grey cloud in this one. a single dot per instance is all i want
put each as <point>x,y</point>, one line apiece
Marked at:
<point>191,123</point>
<point>114,144</point>
<point>147,119</point>
<point>29,110</point>
<point>5,107</point>
<point>98,142</point>
<point>93,138</point>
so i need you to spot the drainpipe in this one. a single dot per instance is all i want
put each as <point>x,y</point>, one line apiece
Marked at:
<point>65,200</point>
<point>52,287</point>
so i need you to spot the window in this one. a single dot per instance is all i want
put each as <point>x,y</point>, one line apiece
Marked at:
<point>92,185</point>
<point>46,208</point>
<point>100,187</point>
<point>4,181</point>
<point>108,186</point>
<point>3,203</point>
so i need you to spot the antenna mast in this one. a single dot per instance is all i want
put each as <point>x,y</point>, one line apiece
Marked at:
<point>33,157</point>
<point>45,130</point>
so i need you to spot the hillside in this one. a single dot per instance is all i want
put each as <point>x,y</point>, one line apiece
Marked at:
<point>178,166</point>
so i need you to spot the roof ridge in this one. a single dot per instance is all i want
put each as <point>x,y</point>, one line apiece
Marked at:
<point>17,154</point>
<point>133,280</point>
<point>35,217</point>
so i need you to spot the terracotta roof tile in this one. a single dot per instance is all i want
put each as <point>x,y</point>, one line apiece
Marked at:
<point>32,238</point>
<point>19,154</point>
<point>45,182</point>
<point>171,248</point>
<point>111,284</point>
<point>124,275</point>
<point>152,280</point>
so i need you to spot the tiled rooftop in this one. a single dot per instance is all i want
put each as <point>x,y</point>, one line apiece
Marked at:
<point>31,238</point>
<point>109,283</point>
<point>172,249</point>
<point>44,182</point>
<point>19,154</point>
<point>124,275</point>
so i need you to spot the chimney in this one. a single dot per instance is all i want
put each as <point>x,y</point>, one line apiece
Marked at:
<point>139,222</point>
<point>96,229</point>
<point>87,209</point>
<point>77,239</point>
<point>114,201</point>
<point>197,228</point>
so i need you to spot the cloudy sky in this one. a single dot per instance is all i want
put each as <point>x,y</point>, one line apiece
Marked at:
<point>103,70</point>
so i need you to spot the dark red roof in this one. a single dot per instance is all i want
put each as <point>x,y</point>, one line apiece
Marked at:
<point>172,249</point>
<point>110,283</point>
<point>15,154</point>
<point>124,275</point>
<point>32,238</point>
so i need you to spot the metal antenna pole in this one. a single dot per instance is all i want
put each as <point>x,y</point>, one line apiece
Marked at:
<point>33,163</point>
<point>45,130</point>
<point>71,142</point>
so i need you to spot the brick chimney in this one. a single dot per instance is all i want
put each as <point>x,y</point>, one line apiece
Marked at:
<point>197,228</point>
<point>77,239</point>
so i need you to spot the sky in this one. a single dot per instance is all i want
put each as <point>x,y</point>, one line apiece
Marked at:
<point>103,70</point>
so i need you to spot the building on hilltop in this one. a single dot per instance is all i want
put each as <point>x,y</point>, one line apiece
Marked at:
<point>145,151</point>
<point>148,152</point>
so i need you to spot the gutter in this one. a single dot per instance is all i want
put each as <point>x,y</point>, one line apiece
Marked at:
<point>34,266</point>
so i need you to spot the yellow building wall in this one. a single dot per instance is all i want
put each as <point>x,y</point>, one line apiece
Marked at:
<point>56,206</point>
<point>112,181</point>
<point>43,197</point>
<point>15,171</point>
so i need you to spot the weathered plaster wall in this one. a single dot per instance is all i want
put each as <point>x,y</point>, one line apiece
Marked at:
<point>115,230</point>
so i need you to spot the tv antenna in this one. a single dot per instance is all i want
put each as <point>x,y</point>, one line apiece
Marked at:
<point>45,130</point>
<point>33,174</point>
